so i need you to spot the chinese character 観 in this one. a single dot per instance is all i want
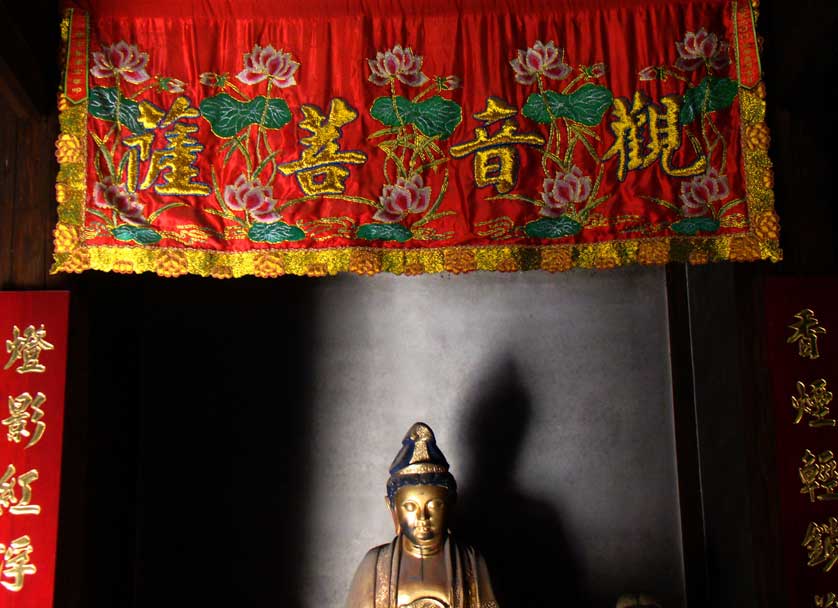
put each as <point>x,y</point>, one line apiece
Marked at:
<point>173,164</point>
<point>806,332</point>
<point>321,168</point>
<point>645,133</point>
<point>16,563</point>
<point>27,347</point>
<point>495,156</point>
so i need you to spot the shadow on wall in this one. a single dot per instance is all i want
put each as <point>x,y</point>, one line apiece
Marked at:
<point>521,536</point>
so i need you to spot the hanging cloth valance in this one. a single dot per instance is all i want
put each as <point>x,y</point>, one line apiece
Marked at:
<point>255,137</point>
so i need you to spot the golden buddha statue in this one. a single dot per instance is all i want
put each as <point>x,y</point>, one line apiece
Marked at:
<point>424,566</point>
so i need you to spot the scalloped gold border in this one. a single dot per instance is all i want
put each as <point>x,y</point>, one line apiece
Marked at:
<point>72,254</point>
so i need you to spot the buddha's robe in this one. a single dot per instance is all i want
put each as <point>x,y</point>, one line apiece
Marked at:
<point>376,581</point>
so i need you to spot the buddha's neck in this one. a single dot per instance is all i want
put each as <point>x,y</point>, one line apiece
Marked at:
<point>421,552</point>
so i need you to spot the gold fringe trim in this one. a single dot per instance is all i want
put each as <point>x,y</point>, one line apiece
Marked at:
<point>72,254</point>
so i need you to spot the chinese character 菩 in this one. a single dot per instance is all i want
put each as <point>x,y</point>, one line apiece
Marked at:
<point>8,498</point>
<point>646,133</point>
<point>320,169</point>
<point>819,474</point>
<point>806,332</point>
<point>16,563</point>
<point>27,347</point>
<point>813,401</point>
<point>495,156</point>
<point>20,415</point>
<point>821,544</point>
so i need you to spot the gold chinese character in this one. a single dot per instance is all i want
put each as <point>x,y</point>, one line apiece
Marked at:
<point>830,600</point>
<point>320,169</point>
<point>806,332</point>
<point>27,347</point>
<point>646,132</point>
<point>19,416</point>
<point>813,402</point>
<point>9,501</point>
<point>16,563</point>
<point>819,474</point>
<point>821,542</point>
<point>174,164</point>
<point>495,158</point>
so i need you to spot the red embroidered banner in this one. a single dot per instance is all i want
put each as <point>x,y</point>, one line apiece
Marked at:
<point>33,331</point>
<point>264,138</point>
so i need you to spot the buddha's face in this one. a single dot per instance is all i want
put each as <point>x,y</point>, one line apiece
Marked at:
<point>420,513</point>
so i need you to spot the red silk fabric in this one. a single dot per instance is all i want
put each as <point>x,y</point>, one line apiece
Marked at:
<point>573,186</point>
<point>33,361</point>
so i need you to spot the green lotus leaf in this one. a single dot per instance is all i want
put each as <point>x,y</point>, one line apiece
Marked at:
<point>137,234</point>
<point>384,232</point>
<point>102,104</point>
<point>552,228</point>
<point>692,225</point>
<point>435,116</point>
<point>587,105</point>
<point>275,232</point>
<point>227,116</point>
<point>710,95</point>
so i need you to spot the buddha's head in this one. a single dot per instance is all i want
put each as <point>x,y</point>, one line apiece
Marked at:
<point>421,491</point>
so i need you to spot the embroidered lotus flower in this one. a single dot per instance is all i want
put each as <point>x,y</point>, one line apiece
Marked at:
<point>397,63</point>
<point>564,189</point>
<point>252,197</point>
<point>403,197</point>
<point>121,60</point>
<point>698,193</point>
<point>540,60</point>
<point>268,63</point>
<point>700,48</point>
<point>449,83</point>
<point>109,195</point>
<point>649,73</point>
<point>171,85</point>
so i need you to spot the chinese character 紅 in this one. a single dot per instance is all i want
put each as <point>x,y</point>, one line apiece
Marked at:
<point>830,600</point>
<point>8,499</point>
<point>16,563</point>
<point>495,157</point>
<point>806,332</point>
<point>27,347</point>
<point>814,402</point>
<point>173,164</point>
<point>320,169</point>
<point>646,133</point>
<point>19,415</point>
<point>819,474</point>
<point>821,544</point>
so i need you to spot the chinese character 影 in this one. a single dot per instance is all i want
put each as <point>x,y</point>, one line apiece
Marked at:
<point>19,415</point>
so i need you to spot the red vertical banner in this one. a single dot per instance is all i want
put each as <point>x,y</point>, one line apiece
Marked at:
<point>802,348</point>
<point>33,360</point>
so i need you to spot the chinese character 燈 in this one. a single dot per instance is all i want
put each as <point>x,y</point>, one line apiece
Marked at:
<point>806,332</point>
<point>495,157</point>
<point>27,347</point>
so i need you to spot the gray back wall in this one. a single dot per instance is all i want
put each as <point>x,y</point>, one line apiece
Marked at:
<point>550,396</point>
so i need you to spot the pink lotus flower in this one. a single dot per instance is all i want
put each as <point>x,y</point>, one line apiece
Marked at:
<point>109,195</point>
<point>649,73</point>
<point>701,48</point>
<point>252,197</point>
<point>699,192</point>
<point>268,63</point>
<point>121,59</point>
<point>171,85</point>
<point>564,189</point>
<point>540,59</point>
<point>397,63</point>
<point>403,197</point>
